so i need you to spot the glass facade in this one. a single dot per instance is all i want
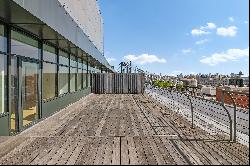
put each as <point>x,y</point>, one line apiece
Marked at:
<point>3,72</point>
<point>24,45</point>
<point>49,53</point>
<point>38,73</point>
<point>63,58</point>
<point>73,75</point>
<point>3,39</point>
<point>14,95</point>
<point>29,95</point>
<point>85,74</point>
<point>79,74</point>
<point>3,68</point>
<point>49,80</point>
<point>63,78</point>
<point>49,72</point>
<point>73,61</point>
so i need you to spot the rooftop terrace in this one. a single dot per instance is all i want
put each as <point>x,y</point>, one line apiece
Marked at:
<point>119,129</point>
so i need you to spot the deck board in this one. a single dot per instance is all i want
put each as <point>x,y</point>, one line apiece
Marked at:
<point>119,129</point>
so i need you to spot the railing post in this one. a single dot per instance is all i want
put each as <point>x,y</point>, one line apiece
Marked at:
<point>234,137</point>
<point>192,111</point>
<point>232,123</point>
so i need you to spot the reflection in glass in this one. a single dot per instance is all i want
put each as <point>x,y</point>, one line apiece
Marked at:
<point>84,66</point>
<point>49,53</point>
<point>79,79</point>
<point>73,72</point>
<point>3,72</point>
<point>63,85</point>
<point>85,78</point>
<point>29,92</point>
<point>49,80</point>
<point>14,95</point>
<point>24,45</point>
<point>89,79</point>
<point>63,58</point>
<point>3,40</point>
<point>73,61</point>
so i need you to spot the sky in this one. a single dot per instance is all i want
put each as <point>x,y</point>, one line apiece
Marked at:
<point>178,36</point>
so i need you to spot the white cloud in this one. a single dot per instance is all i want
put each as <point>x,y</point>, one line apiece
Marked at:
<point>144,59</point>
<point>229,31</point>
<point>186,51</point>
<point>111,60</point>
<point>199,32</point>
<point>210,25</point>
<point>229,55</point>
<point>201,42</point>
<point>246,22</point>
<point>231,19</point>
<point>202,30</point>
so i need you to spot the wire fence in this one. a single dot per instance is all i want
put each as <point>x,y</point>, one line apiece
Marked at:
<point>212,116</point>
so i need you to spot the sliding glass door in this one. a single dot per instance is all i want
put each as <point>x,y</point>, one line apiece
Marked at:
<point>29,92</point>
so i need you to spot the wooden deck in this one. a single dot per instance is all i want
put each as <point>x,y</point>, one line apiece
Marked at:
<point>118,129</point>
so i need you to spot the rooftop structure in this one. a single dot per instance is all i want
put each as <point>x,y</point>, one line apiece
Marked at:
<point>48,48</point>
<point>119,130</point>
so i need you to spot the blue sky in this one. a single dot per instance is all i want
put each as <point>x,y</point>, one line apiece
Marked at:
<point>178,36</point>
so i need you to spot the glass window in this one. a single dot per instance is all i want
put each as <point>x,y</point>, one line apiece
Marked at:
<point>63,79</point>
<point>49,53</point>
<point>84,78</point>
<point>79,79</point>
<point>89,79</point>
<point>63,58</point>
<point>3,72</point>
<point>24,45</point>
<point>49,80</point>
<point>84,65</point>
<point>14,95</point>
<point>73,61</point>
<point>29,80</point>
<point>73,72</point>
<point>3,40</point>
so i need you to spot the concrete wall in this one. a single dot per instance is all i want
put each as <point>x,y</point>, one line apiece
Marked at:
<point>86,14</point>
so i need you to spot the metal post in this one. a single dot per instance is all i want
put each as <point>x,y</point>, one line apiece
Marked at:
<point>233,139</point>
<point>192,111</point>
<point>230,119</point>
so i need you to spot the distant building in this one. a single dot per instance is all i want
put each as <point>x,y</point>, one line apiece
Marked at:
<point>189,82</point>
<point>240,99</point>
<point>236,82</point>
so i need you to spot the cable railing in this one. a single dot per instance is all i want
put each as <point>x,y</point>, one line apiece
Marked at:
<point>210,115</point>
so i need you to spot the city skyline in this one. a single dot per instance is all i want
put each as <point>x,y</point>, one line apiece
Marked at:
<point>173,37</point>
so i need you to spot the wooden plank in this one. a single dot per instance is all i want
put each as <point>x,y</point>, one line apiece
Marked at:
<point>116,151</point>
<point>125,160</point>
<point>107,156</point>
<point>133,156</point>
<point>158,156</point>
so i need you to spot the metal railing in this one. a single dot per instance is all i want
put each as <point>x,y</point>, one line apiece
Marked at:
<point>232,116</point>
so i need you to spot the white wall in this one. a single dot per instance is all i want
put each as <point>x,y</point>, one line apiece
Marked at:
<point>86,14</point>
